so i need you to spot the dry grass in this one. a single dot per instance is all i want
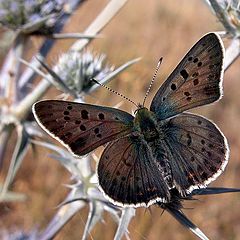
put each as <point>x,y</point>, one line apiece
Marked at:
<point>149,29</point>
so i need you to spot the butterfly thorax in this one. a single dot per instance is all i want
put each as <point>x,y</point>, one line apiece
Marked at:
<point>145,123</point>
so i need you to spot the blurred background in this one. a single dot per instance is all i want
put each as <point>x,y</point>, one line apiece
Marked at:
<point>147,29</point>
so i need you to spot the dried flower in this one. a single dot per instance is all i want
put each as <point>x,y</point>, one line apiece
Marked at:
<point>233,9</point>
<point>228,12</point>
<point>17,234</point>
<point>29,16</point>
<point>77,69</point>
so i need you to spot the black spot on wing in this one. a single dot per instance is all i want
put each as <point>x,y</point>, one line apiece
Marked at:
<point>184,74</point>
<point>84,114</point>
<point>101,116</point>
<point>82,127</point>
<point>80,142</point>
<point>173,86</point>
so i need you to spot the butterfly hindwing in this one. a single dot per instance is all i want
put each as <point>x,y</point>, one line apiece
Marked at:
<point>81,127</point>
<point>196,150</point>
<point>128,173</point>
<point>196,81</point>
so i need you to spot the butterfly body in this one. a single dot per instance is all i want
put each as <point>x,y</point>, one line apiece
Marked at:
<point>145,122</point>
<point>156,150</point>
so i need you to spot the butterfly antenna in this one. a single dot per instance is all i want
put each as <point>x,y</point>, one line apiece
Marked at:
<point>113,91</point>
<point>153,78</point>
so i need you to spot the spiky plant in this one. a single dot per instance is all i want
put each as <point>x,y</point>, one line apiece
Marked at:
<point>28,16</point>
<point>71,74</point>
<point>228,13</point>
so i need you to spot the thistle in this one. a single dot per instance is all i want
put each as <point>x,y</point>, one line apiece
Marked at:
<point>17,234</point>
<point>77,69</point>
<point>228,13</point>
<point>28,16</point>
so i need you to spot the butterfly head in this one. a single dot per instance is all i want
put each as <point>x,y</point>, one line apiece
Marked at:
<point>139,108</point>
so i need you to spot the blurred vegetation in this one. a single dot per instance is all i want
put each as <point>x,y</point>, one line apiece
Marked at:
<point>148,30</point>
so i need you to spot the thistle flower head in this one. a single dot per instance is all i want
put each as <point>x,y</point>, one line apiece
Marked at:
<point>233,9</point>
<point>77,69</point>
<point>228,13</point>
<point>30,15</point>
<point>17,234</point>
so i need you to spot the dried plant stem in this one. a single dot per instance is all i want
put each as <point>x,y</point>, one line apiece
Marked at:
<point>29,75</point>
<point>17,157</point>
<point>94,215</point>
<point>222,16</point>
<point>11,68</point>
<point>100,22</point>
<point>4,136</point>
<point>21,111</point>
<point>19,44</point>
<point>232,53</point>
<point>64,214</point>
<point>73,35</point>
<point>107,14</point>
<point>127,215</point>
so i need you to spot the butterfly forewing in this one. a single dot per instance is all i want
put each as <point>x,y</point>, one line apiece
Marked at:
<point>195,81</point>
<point>196,150</point>
<point>82,127</point>
<point>128,174</point>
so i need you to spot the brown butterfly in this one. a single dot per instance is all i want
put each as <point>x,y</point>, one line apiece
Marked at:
<point>158,149</point>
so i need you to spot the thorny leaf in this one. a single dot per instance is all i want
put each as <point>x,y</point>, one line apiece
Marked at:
<point>175,205</point>
<point>17,157</point>
<point>127,214</point>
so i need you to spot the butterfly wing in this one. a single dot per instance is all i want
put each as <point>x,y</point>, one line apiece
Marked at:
<point>196,81</point>
<point>81,127</point>
<point>128,174</point>
<point>196,150</point>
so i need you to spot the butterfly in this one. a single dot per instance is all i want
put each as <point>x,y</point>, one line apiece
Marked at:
<point>158,149</point>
